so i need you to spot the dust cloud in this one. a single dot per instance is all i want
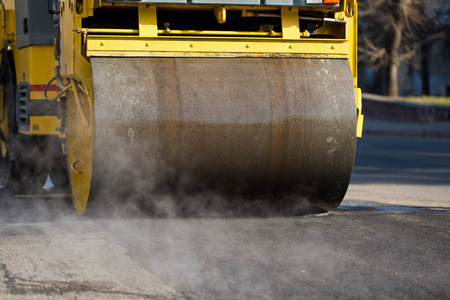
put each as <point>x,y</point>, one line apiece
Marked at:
<point>192,257</point>
<point>199,245</point>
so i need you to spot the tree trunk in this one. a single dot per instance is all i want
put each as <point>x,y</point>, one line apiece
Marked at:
<point>425,72</point>
<point>392,69</point>
<point>393,80</point>
<point>394,49</point>
<point>424,49</point>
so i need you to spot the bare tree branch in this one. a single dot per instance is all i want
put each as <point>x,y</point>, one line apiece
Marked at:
<point>393,31</point>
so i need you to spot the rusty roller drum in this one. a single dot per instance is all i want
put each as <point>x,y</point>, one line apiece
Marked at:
<point>282,130</point>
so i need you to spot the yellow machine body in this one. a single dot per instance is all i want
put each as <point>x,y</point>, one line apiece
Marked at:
<point>34,65</point>
<point>31,121</point>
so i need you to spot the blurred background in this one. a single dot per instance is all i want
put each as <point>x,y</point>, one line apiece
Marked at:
<point>404,49</point>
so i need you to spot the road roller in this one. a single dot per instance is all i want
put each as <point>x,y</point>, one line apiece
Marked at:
<point>182,101</point>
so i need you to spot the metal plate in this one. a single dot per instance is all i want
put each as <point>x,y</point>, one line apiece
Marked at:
<point>251,128</point>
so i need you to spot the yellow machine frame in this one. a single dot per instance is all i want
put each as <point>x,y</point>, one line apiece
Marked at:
<point>149,41</point>
<point>34,64</point>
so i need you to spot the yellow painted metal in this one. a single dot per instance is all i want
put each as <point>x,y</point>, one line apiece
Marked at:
<point>351,9</point>
<point>147,20</point>
<point>335,29</point>
<point>221,14</point>
<point>305,34</point>
<point>79,134</point>
<point>9,4</point>
<point>359,117</point>
<point>221,33</point>
<point>88,8</point>
<point>181,32</point>
<point>352,36</point>
<point>80,107</point>
<point>290,23</point>
<point>39,95</point>
<point>128,45</point>
<point>79,141</point>
<point>68,38</point>
<point>107,30</point>
<point>34,64</point>
<point>45,125</point>
<point>9,23</point>
<point>222,55</point>
<point>79,137</point>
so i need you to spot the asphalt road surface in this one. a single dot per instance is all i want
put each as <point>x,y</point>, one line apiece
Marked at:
<point>388,239</point>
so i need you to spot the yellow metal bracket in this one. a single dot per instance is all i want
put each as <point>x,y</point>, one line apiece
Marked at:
<point>350,7</point>
<point>221,14</point>
<point>359,117</point>
<point>75,85</point>
<point>147,21</point>
<point>44,125</point>
<point>289,22</point>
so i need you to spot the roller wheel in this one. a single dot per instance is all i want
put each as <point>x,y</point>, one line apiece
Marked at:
<point>22,163</point>
<point>271,135</point>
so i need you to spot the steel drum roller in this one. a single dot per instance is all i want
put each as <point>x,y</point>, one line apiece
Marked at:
<point>275,128</point>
